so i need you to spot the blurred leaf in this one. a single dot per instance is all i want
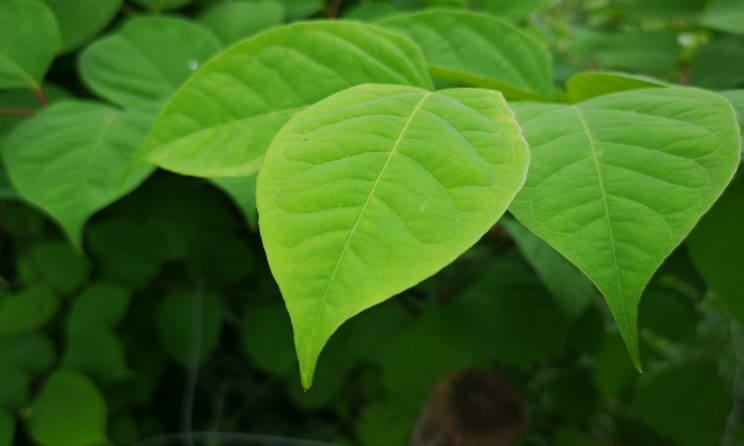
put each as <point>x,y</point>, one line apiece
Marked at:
<point>669,314</point>
<point>366,11</point>
<point>382,239</point>
<point>716,246</point>
<point>569,394</point>
<point>189,321</point>
<point>29,40</point>
<point>662,9</point>
<point>222,259</point>
<point>571,437</point>
<point>15,391</point>
<point>612,372</point>
<point>587,333</point>
<point>101,303</point>
<point>242,190</point>
<point>725,15</point>
<point>79,20</point>
<point>369,335</point>
<point>126,251</point>
<point>24,99</point>
<point>61,267</point>
<point>510,9</point>
<point>7,428</point>
<point>95,351</point>
<point>28,310</point>
<point>298,9</point>
<point>219,141</point>
<point>590,84</point>
<point>736,99</point>
<point>237,20</point>
<point>266,333</point>
<point>32,353</point>
<point>383,423</point>
<point>159,5</point>
<point>626,200</point>
<point>146,60</point>
<point>685,401</point>
<point>83,149</point>
<point>479,50</point>
<point>719,64</point>
<point>69,411</point>
<point>642,51</point>
<point>569,286</point>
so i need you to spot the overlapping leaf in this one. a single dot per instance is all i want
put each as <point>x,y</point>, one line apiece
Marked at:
<point>479,50</point>
<point>222,120</point>
<point>79,20</point>
<point>617,182</point>
<point>71,160</point>
<point>590,84</point>
<point>372,190</point>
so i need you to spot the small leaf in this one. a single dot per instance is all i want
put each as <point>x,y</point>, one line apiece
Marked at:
<point>79,20</point>
<point>61,267</point>
<point>628,195</point>
<point>95,351</point>
<point>222,120</point>
<point>348,221</point>
<point>479,50</point>
<point>146,60</point>
<point>189,326</point>
<point>725,15</point>
<point>234,21</point>
<point>101,303</point>
<point>29,40</point>
<point>590,84</point>
<point>70,160</point>
<point>69,411</point>
<point>27,311</point>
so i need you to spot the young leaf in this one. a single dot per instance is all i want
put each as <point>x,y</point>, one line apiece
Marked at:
<point>222,120</point>
<point>590,84</point>
<point>69,411</point>
<point>146,60</point>
<point>479,50</point>
<point>617,182</point>
<point>79,20</point>
<point>234,21</point>
<point>29,40</point>
<point>376,188</point>
<point>71,160</point>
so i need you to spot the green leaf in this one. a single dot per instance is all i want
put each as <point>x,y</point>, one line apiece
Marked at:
<point>725,15</point>
<point>509,9</point>
<point>347,221</point>
<point>102,304</point>
<point>719,64</point>
<point>242,190</point>
<point>160,5</point>
<point>69,411</point>
<point>628,195</point>
<point>684,401</point>
<point>83,150</point>
<point>571,290</point>
<point>266,334</point>
<point>146,60</point>
<point>7,428</point>
<point>661,9</point>
<point>187,322</point>
<point>636,50</point>
<point>95,351</point>
<point>234,21</point>
<point>32,353</point>
<point>297,9</point>
<point>29,40</point>
<point>370,11</point>
<point>16,389</point>
<point>590,84</point>
<point>61,267</point>
<point>736,99</point>
<point>716,246</point>
<point>79,20</point>
<point>613,373</point>
<point>27,311</point>
<point>479,50</point>
<point>204,131</point>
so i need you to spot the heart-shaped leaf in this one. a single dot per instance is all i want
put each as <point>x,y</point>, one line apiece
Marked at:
<point>70,160</point>
<point>617,182</point>
<point>29,40</point>
<point>146,60</point>
<point>222,120</point>
<point>479,50</point>
<point>376,188</point>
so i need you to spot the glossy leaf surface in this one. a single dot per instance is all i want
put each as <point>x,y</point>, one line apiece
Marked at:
<point>347,221</point>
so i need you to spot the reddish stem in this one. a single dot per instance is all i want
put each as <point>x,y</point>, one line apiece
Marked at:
<point>17,111</point>
<point>40,96</point>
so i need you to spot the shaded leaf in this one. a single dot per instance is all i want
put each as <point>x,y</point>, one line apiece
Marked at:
<point>204,131</point>
<point>719,64</point>
<point>376,215</point>
<point>725,15</point>
<point>101,303</point>
<point>189,325</point>
<point>234,21</point>
<point>26,311</point>
<point>79,20</point>
<point>242,190</point>
<point>7,428</point>
<point>266,334</point>
<point>61,267</point>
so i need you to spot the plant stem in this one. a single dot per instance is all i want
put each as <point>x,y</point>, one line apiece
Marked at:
<point>39,93</point>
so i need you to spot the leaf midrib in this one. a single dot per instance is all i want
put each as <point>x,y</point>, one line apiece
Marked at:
<point>345,248</point>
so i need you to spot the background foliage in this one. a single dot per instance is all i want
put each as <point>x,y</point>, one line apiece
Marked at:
<point>153,311</point>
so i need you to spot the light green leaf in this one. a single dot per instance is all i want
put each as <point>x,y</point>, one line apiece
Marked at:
<point>234,21</point>
<point>242,190</point>
<point>69,411</point>
<point>571,290</point>
<point>372,190</point>
<point>188,322</point>
<point>7,428</point>
<point>29,40</point>
<point>479,50</point>
<point>79,20</point>
<point>590,84</point>
<point>205,131</point>
<point>725,15</point>
<point>71,160</point>
<point>628,195</point>
<point>27,311</point>
<point>146,60</point>
<point>716,247</point>
<point>160,5</point>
